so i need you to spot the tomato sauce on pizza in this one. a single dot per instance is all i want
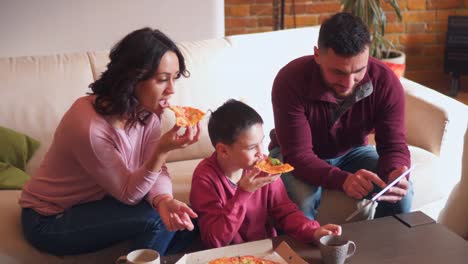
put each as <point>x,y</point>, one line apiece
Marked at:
<point>186,115</point>
<point>242,260</point>
<point>273,166</point>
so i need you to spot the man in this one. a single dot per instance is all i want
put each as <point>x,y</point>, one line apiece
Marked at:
<point>325,106</point>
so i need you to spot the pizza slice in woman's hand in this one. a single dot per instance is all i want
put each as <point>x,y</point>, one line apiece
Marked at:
<point>273,166</point>
<point>186,115</point>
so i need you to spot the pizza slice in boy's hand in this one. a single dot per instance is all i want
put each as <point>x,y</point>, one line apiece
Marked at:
<point>273,166</point>
<point>186,115</point>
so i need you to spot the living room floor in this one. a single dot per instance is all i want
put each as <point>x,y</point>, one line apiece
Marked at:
<point>443,87</point>
<point>462,96</point>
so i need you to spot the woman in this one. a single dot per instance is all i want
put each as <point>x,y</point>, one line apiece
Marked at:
<point>103,179</point>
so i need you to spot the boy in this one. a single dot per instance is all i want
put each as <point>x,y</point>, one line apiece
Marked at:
<point>234,200</point>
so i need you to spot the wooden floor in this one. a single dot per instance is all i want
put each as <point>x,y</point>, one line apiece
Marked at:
<point>444,87</point>
<point>462,96</point>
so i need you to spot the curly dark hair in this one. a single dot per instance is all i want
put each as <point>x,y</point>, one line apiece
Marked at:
<point>345,33</point>
<point>133,59</point>
<point>230,120</point>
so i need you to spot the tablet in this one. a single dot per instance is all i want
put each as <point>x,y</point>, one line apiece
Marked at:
<point>380,193</point>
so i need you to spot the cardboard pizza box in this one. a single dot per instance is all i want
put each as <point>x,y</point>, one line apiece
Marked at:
<point>283,254</point>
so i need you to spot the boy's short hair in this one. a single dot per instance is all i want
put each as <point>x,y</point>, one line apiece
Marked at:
<point>229,120</point>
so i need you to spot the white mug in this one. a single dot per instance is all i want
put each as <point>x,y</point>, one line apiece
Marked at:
<point>140,256</point>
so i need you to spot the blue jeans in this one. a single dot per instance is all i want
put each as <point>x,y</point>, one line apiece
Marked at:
<point>92,226</point>
<point>307,196</point>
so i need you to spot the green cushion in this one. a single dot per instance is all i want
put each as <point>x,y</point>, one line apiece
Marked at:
<point>11,178</point>
<point>16,148</point>
<point>15,151</point>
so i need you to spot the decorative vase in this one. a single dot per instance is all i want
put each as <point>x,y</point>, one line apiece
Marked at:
<point>396,61</point>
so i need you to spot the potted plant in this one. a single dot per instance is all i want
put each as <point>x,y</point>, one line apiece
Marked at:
<point>372,14</point>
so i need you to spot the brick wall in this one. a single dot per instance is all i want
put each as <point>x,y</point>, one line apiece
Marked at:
<point>421,34</point>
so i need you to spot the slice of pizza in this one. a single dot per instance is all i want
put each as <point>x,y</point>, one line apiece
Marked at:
<point>273,166</point>
<point>265,261</point>
<point>186,115</point>
<point>241,260</point>
<point>225,260</point>
<point>248,259</point>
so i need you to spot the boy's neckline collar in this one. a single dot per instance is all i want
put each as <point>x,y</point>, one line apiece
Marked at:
<point>219,163</point>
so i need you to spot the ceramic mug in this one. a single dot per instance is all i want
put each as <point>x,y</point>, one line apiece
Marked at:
<point>335,249</point>
<point>140,256</point>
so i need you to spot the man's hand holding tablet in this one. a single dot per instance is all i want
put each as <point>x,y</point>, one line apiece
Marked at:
<point>359,184</point>
<point>392,191</point>
<point>399,190</point>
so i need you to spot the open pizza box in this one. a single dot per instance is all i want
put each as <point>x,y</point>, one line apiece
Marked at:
<point>282,254</point>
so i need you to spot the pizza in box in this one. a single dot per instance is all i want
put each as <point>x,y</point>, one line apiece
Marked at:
<point>273,166</point>
<point>187,116</point>
<point>242,260</point>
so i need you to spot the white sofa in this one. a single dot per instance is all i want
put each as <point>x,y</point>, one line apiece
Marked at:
<point>455,213</point>
<point>37,90</point>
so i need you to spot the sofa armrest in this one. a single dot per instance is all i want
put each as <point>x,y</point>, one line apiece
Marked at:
<point>436,123</point>
<point>423,116</point>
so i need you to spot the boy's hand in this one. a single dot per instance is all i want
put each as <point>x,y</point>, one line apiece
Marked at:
<point>176,215</point>
<point>253,179</point>
<point>325,230</point>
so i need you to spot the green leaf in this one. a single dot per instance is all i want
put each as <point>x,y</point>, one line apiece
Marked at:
<point>274,161</point>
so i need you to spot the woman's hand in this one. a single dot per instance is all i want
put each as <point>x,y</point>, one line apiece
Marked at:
<point>172,140</point>
<point>253,179</point>
<point>176,215</point>
<point>325,230</point>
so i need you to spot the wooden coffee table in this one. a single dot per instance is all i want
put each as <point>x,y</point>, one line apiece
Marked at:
<point>410,238</point>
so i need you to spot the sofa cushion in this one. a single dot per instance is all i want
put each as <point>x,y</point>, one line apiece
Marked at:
<point>181,174</point>
<point>428,189</point>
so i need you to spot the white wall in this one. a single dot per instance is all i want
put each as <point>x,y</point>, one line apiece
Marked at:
<point>36,27</point>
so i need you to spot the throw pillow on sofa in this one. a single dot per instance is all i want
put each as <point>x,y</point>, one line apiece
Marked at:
<point>15,151</point>
<point>11,178</point>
